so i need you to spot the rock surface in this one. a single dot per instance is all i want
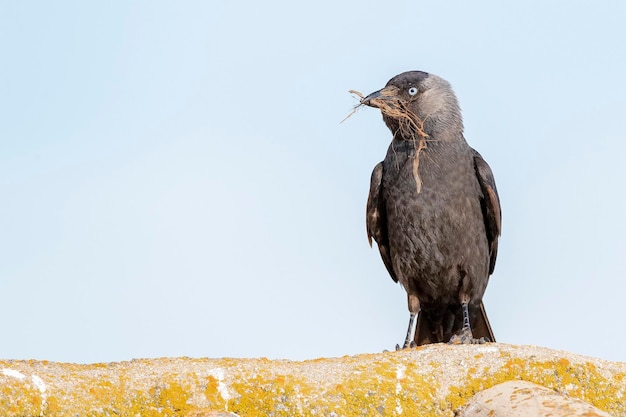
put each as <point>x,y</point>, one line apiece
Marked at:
<point>434,380</point>
<point>525,399</point>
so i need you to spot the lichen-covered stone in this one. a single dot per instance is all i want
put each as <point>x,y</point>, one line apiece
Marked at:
<point>433,380</point>
<point>525,399</point>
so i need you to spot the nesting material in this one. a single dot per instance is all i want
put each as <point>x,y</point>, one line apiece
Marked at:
<point>357,107</point>
<point>410,126</point>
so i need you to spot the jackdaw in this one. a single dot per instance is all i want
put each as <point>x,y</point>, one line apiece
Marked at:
<point>434,211</point>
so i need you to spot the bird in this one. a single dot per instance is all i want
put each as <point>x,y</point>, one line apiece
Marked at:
<point>434,212</point>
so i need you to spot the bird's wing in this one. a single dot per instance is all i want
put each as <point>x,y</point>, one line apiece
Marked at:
<point>376,219</point>
<point>490,203</point>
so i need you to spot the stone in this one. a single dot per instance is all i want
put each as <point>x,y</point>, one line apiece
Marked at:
<point>432,380</point>
<point>525,399</point>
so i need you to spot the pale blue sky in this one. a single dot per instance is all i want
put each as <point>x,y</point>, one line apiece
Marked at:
<point>175,180</point>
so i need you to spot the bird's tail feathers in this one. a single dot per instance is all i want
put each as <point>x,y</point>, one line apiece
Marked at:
<point>430,327</point>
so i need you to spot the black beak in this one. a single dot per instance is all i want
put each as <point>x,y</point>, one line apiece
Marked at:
<point>368,100</point>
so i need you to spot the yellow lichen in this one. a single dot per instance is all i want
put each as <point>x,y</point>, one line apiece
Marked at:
<point>212,394</point>
<point>274,396</point>
<point>171,396</point>
<point>582,381</point>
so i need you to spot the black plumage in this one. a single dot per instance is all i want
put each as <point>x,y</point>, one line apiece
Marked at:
<point>434,211</point>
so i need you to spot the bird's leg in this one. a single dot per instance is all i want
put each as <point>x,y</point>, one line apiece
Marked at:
<point>466,323</point>
<point>465,336</point>
<point>414,308</point>
<point>409,333</point>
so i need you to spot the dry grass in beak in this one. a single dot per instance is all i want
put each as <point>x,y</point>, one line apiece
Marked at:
<point>357,93</point>
<point>354,110</point>
<point>410,126</point>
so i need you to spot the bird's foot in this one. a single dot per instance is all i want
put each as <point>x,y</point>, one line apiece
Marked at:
<point>407,345</point>
<point>465,337</point>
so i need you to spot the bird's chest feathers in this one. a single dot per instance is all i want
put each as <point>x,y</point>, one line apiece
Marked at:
<point>422,182</point>
<point>429,226</point>
<point>415,164</point>
<point>404,157</point>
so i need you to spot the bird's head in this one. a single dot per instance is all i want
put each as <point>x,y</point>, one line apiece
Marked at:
<point>417,104</point>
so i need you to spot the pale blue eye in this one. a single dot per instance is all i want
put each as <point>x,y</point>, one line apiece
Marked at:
<point>412,91</point>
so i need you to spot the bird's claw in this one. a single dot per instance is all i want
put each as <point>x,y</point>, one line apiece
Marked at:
<point>410,345</point>
<point>465,337</point>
